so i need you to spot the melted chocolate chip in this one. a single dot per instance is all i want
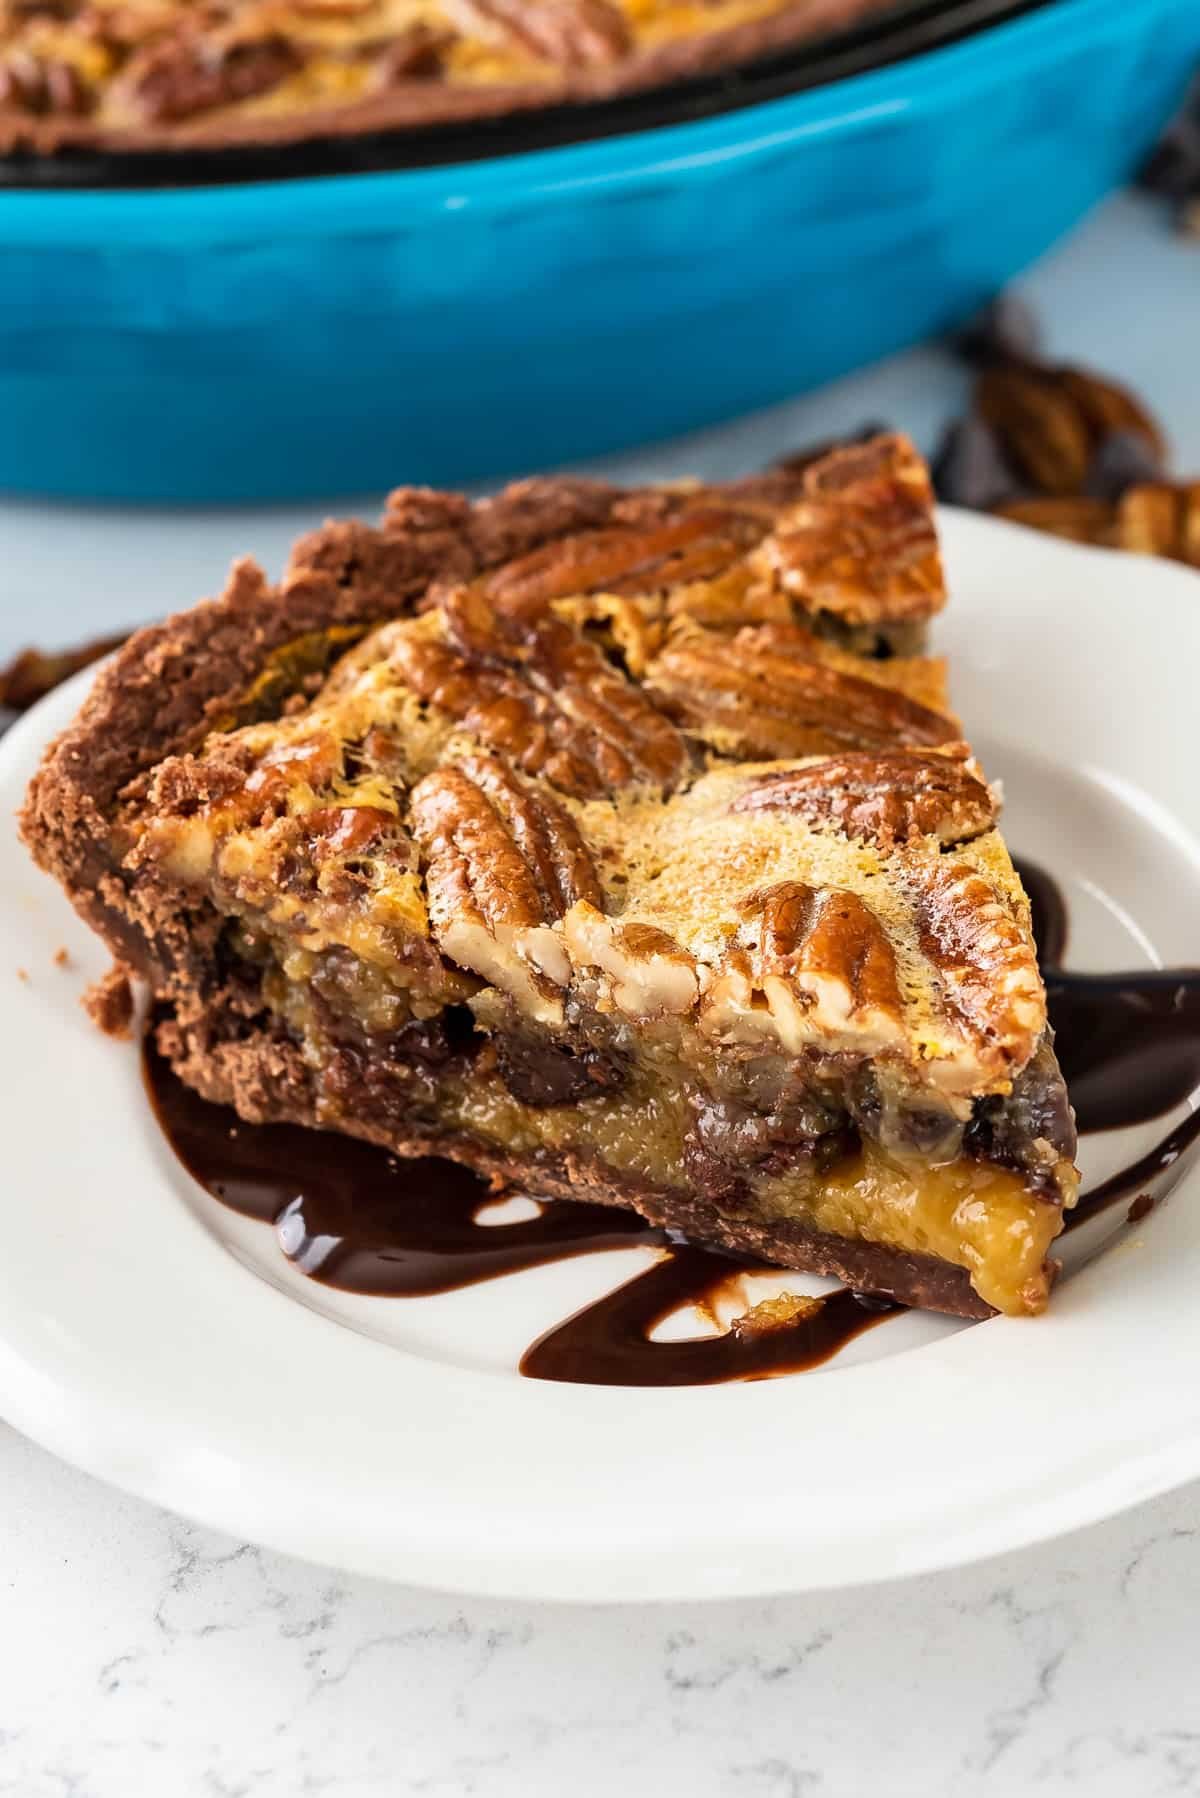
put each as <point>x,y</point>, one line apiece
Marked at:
<point>546,1073</point>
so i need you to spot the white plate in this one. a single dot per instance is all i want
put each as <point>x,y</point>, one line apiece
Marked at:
<point>151,1337</point>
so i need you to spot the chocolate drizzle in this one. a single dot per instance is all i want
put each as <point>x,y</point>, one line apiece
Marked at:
<point>1128,1045</point>
<point>609,1343</point>
<point>1133,1181</point>
<point>350,1215</point>
<point>355,1217</point>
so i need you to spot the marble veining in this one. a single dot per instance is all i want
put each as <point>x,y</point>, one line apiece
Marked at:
<point>142,1655</point>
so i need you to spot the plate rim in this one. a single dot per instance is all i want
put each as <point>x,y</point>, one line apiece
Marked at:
<point>87,1420</point>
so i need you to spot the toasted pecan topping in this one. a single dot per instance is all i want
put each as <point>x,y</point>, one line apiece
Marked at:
<point>861,543</point>
<point>824,963</point>
<point>414,54</point>
<point>755,697</point>
<point>181,77</point>
<point>499,845</point>
<point>984,959</point>
<point>348,830</point>
<point>504,861</point>
<point>651,973</point>
<point>35,84</point>
<point>572,33</point>
<point>888,797</point>
<point>697,543</point>
<point>533,688</point>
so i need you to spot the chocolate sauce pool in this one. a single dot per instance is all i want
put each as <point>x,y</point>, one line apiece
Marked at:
<point>353,1216</point>
<point>1128,1044</point>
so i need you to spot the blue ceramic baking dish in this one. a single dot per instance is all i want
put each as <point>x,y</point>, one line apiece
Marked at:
<point>447,323</point>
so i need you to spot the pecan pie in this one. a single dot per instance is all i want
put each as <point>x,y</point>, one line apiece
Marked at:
<point>119,74</point>
<point>601,840</point>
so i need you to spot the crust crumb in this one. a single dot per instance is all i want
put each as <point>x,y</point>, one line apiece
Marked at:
<point>23,974</point>
<point>109,1003</point>
<point>62,958</point>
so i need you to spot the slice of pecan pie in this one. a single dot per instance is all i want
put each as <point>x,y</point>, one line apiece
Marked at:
<point>605,841</point>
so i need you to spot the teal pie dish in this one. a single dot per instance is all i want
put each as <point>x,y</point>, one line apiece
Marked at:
<point>339,332</point>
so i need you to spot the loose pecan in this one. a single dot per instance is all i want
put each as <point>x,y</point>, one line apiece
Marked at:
<point>751,697</point>
<point>1040,426</point>
<point>1153,518</point>
<point>971,469</point>
<point>1072,516</point>
<point>1161,519</point>
<point>887,798</point>
<point>35,672</point>
<point>1107,408</point>
<point>1051,421</point>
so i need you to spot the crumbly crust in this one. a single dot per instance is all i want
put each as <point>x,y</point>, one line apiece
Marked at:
<point>109,1002</point>
<point>109,75</point>
<point>568,836</point>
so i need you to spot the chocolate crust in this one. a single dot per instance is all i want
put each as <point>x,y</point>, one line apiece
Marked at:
<point>415,104</point>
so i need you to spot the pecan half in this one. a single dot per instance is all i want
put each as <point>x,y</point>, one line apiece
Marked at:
<point>1039,426</point>
<point>550,700</point>
<point>1051,421</point>
<point>571,33</point>
<point>984,961</point>
<point>825,965</point>
<point>650,973</point>
<point>750,697</point>
<point>1161,519</point>
<point>504,862</point>
<point>1107,408</point>
<point>42,85</point>
<point>180,77</point>
<point>35,672</point>
<point>887,798</point>
<point>861,543</point>
<point>416,53</point>
<point>696,544</point>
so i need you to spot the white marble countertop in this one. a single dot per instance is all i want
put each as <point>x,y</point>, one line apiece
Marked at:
<point>141,1655</point>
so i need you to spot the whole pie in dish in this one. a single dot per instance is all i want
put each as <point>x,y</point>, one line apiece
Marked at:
<point>621,844</point>
<point>127,74</point>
